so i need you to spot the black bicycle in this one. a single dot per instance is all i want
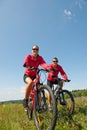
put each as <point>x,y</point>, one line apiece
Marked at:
<point>38,104</point>
<point>65,100</point>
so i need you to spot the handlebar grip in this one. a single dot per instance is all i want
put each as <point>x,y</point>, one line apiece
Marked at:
<point>32,68</point>
<point>68,80</point>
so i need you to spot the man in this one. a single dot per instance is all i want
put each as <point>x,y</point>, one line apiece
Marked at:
<point>52,77</point>
<point>53,74</point>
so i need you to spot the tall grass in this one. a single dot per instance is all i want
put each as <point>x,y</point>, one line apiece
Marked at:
<point>13,117</point>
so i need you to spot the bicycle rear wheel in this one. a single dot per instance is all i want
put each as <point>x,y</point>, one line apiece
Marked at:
<point>43,117</point>
<point>66,103</point>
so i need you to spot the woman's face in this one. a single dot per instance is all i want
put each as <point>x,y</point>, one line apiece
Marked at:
<point>35,50</point>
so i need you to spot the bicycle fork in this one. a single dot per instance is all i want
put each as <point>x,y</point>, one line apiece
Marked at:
<point>60,96</point>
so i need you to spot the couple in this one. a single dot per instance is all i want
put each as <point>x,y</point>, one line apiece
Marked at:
<point>34,60</point>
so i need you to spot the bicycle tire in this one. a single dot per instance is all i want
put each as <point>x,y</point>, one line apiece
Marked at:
<point>66,109</point>
<point>45,119</point>
<point>30,109</point>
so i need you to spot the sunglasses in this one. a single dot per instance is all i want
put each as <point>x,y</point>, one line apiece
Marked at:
<point>55,61</point>
<point>35,49</point>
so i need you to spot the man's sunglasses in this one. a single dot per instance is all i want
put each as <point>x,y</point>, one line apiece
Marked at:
<point>55,61</point>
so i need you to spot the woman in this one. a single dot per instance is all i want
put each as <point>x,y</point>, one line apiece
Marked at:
<point>31,60</point>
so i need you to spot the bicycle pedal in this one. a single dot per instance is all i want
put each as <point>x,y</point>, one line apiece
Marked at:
<point>26,109</point>
<point>63,103</point>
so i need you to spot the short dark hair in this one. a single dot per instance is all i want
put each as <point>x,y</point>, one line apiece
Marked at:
<point>55,59</point>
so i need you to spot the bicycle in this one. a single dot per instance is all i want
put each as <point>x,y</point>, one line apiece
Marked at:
<point>64,99</point>
<point>38,104</point>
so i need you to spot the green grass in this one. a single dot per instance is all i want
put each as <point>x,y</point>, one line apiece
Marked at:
<point>79,119</point>
<point>13,117</point>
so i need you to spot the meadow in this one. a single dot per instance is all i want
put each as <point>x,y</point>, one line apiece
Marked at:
<point>13,117</point>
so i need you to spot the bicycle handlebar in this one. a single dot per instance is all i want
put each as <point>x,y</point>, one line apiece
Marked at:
<point>46,70</point>
<point>65,80</point>
<point>38,69</point>
<point>68,80</point>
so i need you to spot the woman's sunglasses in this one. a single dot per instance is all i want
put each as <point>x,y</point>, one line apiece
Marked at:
<point>35,49</point>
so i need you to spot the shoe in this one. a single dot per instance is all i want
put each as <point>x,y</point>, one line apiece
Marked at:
<point>50,108</point>
<point>25,103</point>
<point>63,102</point>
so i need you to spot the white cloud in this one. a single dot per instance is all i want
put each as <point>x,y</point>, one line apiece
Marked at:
<point>80,3</point>
<point>71,12</point>
<point>67,12</point>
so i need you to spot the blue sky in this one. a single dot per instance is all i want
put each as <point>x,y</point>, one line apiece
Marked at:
<point>58,27</point>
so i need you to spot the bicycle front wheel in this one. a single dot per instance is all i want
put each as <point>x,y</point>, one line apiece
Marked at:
<point>66,103</point>
<point>44,117</point>
<point>30,109</point>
